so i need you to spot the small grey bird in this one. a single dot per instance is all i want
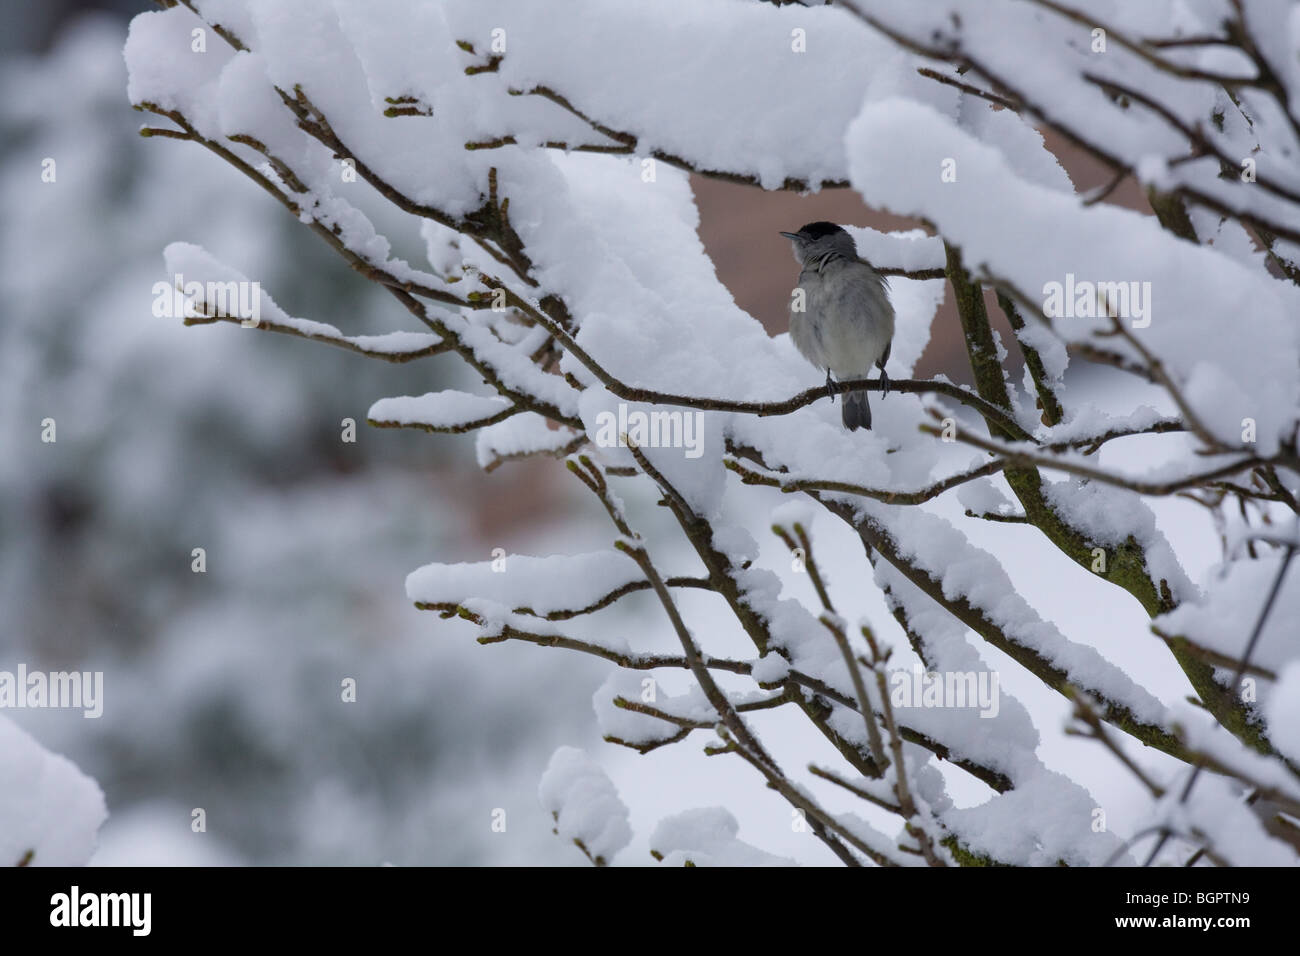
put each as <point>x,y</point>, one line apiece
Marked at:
<point>846,323</point>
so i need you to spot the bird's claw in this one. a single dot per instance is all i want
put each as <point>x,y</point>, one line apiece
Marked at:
<point>830,387</point>
<point>884,383</point>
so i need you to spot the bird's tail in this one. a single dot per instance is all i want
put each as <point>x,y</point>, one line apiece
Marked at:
<point>857,411</point>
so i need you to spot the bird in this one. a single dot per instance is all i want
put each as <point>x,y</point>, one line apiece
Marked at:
<point>843,320</point>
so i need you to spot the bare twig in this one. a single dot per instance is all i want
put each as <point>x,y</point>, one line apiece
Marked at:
<point>859,688</point>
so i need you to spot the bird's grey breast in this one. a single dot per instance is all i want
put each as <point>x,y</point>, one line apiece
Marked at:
<point>860,293</point>
<point>849,320</point>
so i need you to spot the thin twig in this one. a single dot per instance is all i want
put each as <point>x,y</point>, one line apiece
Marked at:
<point>859,688</point>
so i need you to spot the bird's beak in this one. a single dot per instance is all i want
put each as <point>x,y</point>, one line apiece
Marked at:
<point>792,235</point>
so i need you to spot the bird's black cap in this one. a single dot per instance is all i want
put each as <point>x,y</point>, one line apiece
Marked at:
<point>818,230</point>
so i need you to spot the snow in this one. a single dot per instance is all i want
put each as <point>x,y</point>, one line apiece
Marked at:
<point>158,834</point>
<point>912,250</point>
<point>50,812</point>
<point>707,837</point>
<point>630,725</point>
<point>1083,422</point>
<point>1111,517</point>
<point>195,264</point>
<point>520,434</point>
<point>968,572</point>
<point>737,85</point>
<point>521,581</point>
<point>1206,737</point>
<point>770,669</point>
<point>1224,618</point>
<point>586,807</point>
<point>984,497</point>
<point>793,512</point>
<point>1217,812</point>
<point>1283,710</point>
<point>164,70</point>
<point>443,411</point>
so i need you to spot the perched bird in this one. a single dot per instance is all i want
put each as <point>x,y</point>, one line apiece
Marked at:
<point>842,321</point>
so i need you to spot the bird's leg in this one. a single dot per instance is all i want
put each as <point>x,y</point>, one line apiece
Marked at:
<point>830,387</point>
<point>884,382</point>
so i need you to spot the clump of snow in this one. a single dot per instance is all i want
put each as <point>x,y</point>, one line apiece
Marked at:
<point>522,434</point>
<point>707,837</point>
<point>1283,711</point>
<point>50,812</point>
<point>770,669</point>
<point>442,410</point>
<point>983,497</point>
<point>1216,621</point>
<point>540,584</point>
<point>584,803</point>
<point>796,511</point>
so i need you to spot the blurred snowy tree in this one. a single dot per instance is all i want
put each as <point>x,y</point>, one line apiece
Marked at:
<point>224,689</point>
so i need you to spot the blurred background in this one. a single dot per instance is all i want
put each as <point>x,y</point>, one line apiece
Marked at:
<point>223,688</point>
